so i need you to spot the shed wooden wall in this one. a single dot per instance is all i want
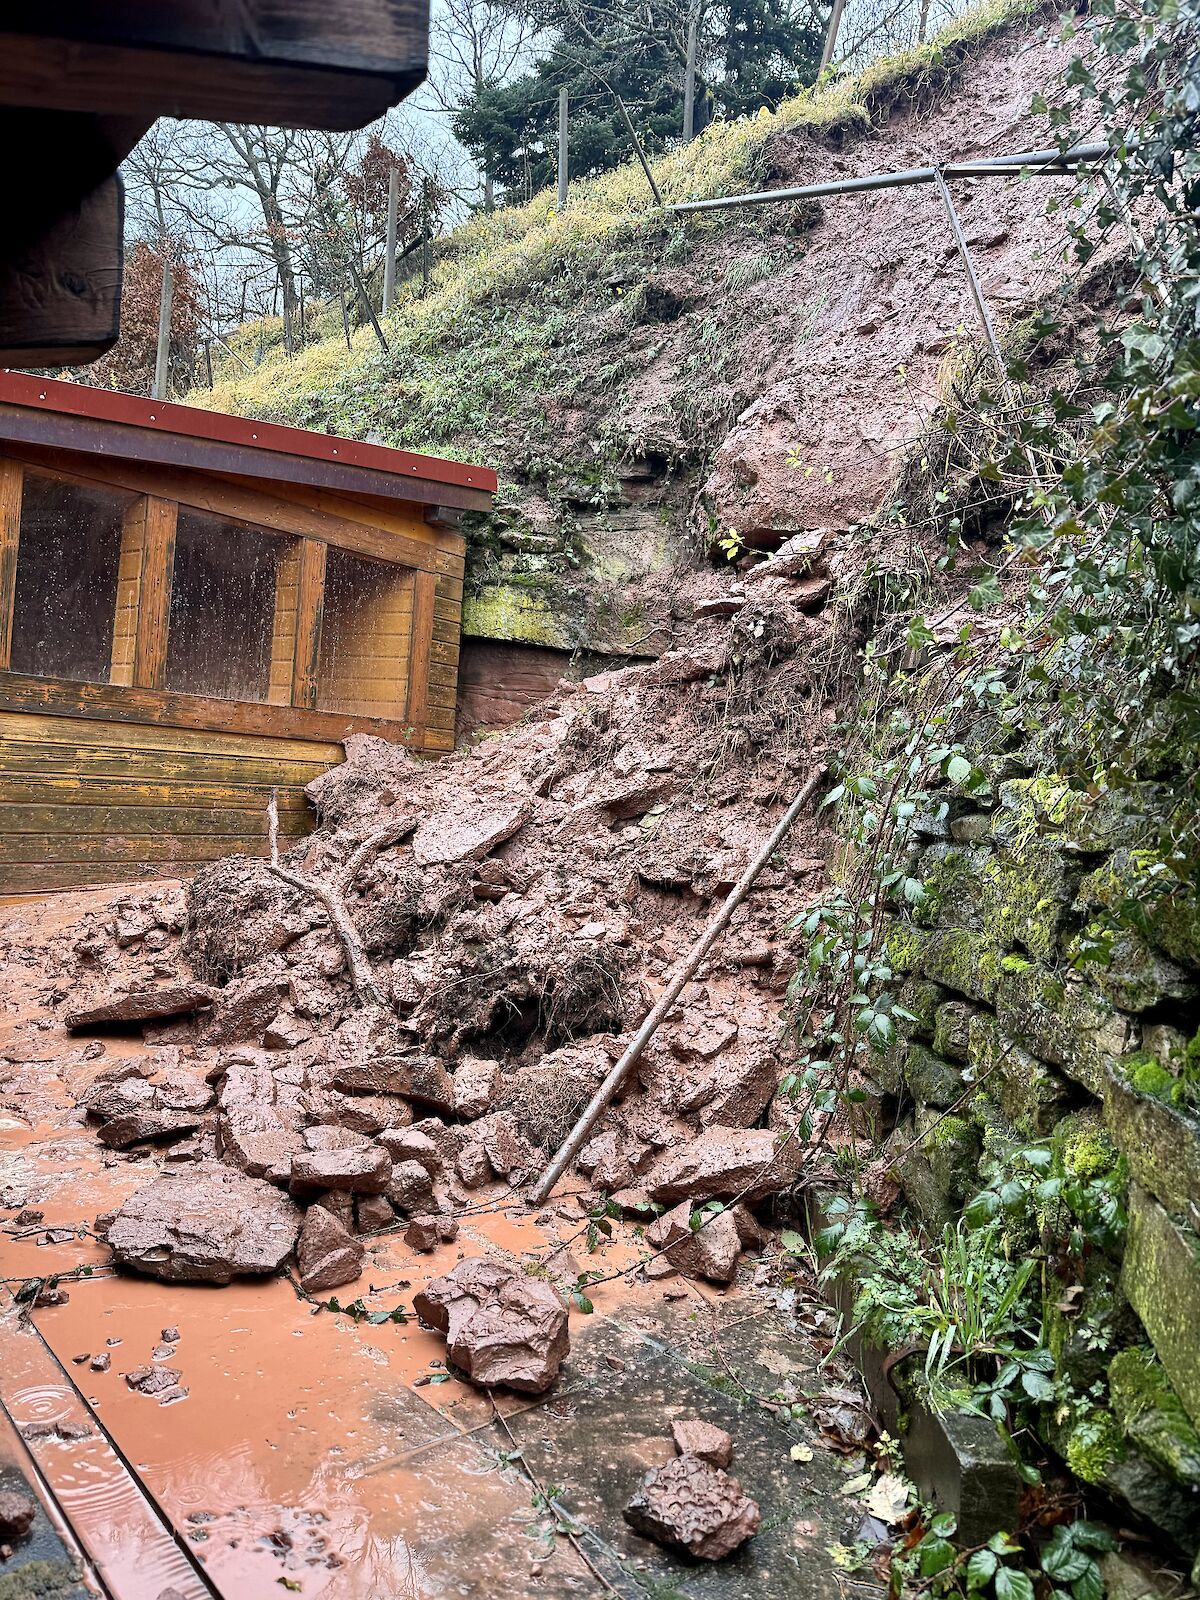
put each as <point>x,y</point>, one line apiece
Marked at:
<point>112,782</point>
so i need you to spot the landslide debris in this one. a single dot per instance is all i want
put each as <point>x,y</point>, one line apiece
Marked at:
<point>528,905</point>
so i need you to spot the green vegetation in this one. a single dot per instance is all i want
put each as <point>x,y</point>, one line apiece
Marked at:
<point>477,358</point>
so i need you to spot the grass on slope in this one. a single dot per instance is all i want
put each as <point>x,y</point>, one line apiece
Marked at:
<point>496,327</point>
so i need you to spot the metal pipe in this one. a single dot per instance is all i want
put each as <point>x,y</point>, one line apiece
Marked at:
<point>682,977</point>
<point>1044,163</point>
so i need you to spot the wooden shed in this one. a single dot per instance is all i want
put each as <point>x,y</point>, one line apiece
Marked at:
<point>196,609</point>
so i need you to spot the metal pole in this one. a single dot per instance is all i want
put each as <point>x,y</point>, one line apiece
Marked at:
<point>960,239</point>
<point>637,145</point>
<point>680,980</point>
<point>163,353</point>
<point>689,82</point>
<point>831,33</point>
<point>389,260</point>
<point>1041,163</point>
<point>564,164</point>
<point>426,242</point>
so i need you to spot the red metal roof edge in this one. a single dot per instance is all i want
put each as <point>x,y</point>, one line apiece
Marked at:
<point>110,405</point>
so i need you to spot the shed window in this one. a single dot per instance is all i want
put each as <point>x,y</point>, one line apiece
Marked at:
<point>65,599</point>
<point>222,608</point>
<point>363,664</point>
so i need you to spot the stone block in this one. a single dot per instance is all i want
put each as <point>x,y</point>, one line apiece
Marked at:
<point>960,1461</point>
<point>1029,1093</point>
<point>1134,976</point>
<point>951,1022</point>
<point>963,960</point>
<point>1082,823</point>
<point>1152,1416</point>
<point>1062,1020</point>
<point>1160,1142</point>
<point>931,1081</point>
<point>1161,1279</point>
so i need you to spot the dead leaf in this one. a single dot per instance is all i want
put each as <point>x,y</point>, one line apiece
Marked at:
<point>800,1452</point>
<point>614,1364</point>
<point>889,1498</point>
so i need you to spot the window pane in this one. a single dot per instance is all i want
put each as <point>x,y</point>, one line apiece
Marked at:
<point>363,663</point>
<point>222,608</point>
<point>68,557</point>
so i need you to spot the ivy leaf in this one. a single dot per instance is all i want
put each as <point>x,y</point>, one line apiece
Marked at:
<point>958,770</point>
<point>1013,1585</point>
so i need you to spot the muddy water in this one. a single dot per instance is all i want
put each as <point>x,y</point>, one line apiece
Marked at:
<point>337,1456</point>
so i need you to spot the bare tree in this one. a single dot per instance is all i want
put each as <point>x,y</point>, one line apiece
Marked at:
<point>473,44</point>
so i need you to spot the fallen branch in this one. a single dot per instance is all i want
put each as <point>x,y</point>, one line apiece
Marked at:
<point>682,977</point>
<point>332,893</point>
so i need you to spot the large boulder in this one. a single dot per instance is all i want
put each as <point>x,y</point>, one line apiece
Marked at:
<point>141,1005</point>
<point>723,1162</point>
<point>209,1224</point>
<point>692,1506</point>
<point>501,1326</point>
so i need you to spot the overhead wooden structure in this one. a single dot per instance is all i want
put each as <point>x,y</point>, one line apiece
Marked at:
<point>80,82</point>
<point>195,609</point>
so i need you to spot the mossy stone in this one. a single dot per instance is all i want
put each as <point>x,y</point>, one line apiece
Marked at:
<point>953,886</point>
<point>1134,976</point>
<point>950,1029</point>
<point>1081,1145</point>
<point>925,1195</point>
<point>1150,1413</point>
<point>906,947</point>
<point>1161,1279</point>
<point>1030,1093</point>
<point>1160,1142</point>
<point>1062,1020</point>
<point>1082,823</point>
<point>964,961</point>
<point>931,1081</point>
<point>952,1147</point>
<point>922,999</point>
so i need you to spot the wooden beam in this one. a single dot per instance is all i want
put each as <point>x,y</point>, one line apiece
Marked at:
<point>310,608</point>
<point>417,714</point>
<point>166,709</point>
<point>257,508</point>
<point>11,479</point>
<point>139,649</point>
<point>62,247</point>
<point>300,63</point>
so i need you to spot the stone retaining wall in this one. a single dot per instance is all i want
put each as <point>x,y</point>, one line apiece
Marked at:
<point>1038,1017</point>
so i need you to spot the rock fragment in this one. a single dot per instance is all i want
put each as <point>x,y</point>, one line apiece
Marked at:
<point>142,1005</point>
<point>723,1162</point>
<point>363,1169</point>
<point>373,1212</point>
<point>425,1233</point>
<point>710,1251</point>
<point>17,1512</point>
<point>704,1439</point>
<point>464,829</point>
<point>206,1224</point>
<point>476,1085</point>
<point>502,1327</point>
<point>327,1256</point>
<point>410,1187</point>
<point>694,1507</point>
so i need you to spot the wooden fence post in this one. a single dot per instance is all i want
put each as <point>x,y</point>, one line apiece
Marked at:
<point>389,260</point>
<point>163,353</point>
<point>564,164</point>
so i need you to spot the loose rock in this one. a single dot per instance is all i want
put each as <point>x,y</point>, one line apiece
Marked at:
<point>703,1439</point>
<point>17,1512</point>
<point>207,1224</point>
<point>327,1256</point>
<point>141,1005</point>
<point>691,1506</point>
<point>502,1327</point>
